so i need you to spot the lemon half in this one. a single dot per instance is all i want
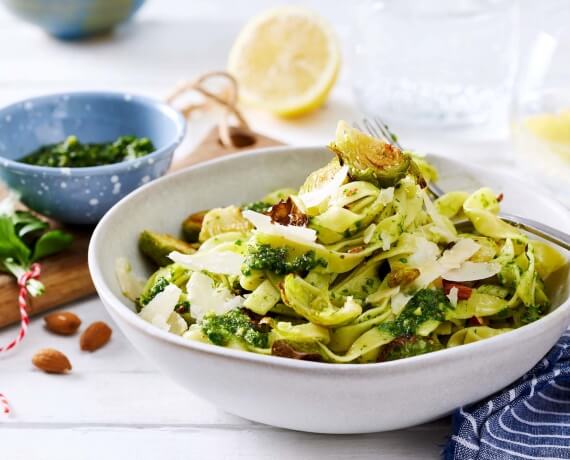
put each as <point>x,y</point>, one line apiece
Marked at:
<point>286,61</point>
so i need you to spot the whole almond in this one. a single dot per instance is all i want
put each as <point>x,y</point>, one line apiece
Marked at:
<point>95,336</point>
<point>62,322</point>
<point>51,361</point>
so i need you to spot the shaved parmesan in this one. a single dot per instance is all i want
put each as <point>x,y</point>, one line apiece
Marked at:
<point>204,297</point>
<point>450,260</point>
<point>399,301</point>
<point>386,195</point>
<point>369,233</point>
<point>318,196</point>
<point>177,324</point>
<point>443,225</point>
<point>263,224</point>
<point>453,296</point>
<point>386,240</point>
<point>220,262</point>
<point>426,252</point>
<point>472,271</point>
<point>158,310</point>
<point>235,302</point>
<point>131,285</point>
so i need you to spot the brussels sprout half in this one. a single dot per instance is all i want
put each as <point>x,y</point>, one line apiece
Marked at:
<point>157,246</point>
<point>368,158</point>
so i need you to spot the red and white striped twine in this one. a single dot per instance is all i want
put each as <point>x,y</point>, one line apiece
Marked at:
<point>4,405</point>
<point>32,273</point>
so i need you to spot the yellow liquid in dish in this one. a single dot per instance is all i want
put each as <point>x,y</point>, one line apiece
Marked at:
<point>553,129</point>
<point>542,144</point>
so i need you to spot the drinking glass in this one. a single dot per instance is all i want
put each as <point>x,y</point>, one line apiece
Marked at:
<point>434,62</point>
<point>540,115</point>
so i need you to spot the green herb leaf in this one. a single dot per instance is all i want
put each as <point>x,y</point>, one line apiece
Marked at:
<point>11,247</point>
<point>50,243</point>
<point>25,222</point>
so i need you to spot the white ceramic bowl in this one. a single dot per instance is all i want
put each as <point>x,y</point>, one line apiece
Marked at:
<point>308,396</point>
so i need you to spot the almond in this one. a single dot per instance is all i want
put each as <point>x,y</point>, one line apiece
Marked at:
<point>62,322</point>
<point>51,361</point>
<point>95,336</point>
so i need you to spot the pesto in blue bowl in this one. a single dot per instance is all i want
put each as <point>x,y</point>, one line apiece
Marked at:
<point>82,195</point>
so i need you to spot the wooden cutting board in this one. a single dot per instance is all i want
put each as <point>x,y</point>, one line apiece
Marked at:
<point>66,275</point>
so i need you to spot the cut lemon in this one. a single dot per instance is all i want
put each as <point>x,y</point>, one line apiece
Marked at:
<point>286,61</point>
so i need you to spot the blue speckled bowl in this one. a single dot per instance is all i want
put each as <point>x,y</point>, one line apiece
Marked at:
<point>70,19</point>
<point>83,195</point>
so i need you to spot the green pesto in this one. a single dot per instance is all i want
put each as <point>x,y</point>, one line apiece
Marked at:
<point>73,154</point>
<point>424,305</point>
<point>159,286</point>
<point>267,258</point>
<point>221,329</point>
<point>531,313</point>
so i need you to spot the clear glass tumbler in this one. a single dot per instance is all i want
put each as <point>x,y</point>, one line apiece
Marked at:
<point>434,62</point>
<point>540,116</point>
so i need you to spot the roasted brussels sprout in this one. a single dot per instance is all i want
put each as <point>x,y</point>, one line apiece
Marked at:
<point>223,220</point>
<point>369,159</point>
<point>321,176</point>
<point>157,246</point>
<point>192,225</point>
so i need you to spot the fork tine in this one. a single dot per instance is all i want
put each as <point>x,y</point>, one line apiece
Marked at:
<point>389,135</point>
<point>435,190</point>
<point>380,130</point>
<point>371,129</point>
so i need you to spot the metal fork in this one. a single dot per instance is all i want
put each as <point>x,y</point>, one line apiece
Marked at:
<point>377,128</point>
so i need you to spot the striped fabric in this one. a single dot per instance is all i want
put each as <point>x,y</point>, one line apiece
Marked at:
<point>529,420</point>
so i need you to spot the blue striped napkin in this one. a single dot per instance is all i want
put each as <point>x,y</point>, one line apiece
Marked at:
<point>529,420</point>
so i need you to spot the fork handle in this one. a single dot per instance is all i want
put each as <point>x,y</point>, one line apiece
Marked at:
<point>538,228</point>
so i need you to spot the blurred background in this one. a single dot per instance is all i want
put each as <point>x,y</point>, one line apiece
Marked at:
<point>461,78</point>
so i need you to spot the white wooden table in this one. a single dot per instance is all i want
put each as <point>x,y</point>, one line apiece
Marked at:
<point>115,405</point>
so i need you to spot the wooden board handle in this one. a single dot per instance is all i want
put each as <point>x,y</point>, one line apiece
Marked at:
<point>66,277</point>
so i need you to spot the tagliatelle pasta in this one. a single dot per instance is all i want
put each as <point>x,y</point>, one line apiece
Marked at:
<point>359,265</point>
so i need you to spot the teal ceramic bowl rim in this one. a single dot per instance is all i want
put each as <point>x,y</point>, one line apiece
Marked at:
<point>172,114</point>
